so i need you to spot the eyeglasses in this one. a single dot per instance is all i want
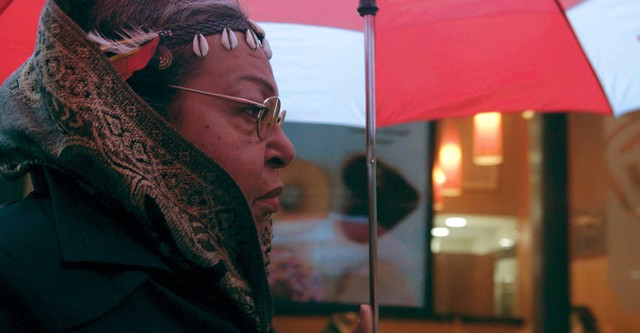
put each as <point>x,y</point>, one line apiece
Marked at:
<point>268,114</point>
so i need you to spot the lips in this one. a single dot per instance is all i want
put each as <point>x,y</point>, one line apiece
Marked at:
<point>270,200</point>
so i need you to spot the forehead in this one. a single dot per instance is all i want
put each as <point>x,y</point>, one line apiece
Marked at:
<point>233,71</point>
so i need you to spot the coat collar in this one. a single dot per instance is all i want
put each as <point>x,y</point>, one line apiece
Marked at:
<point>88,235</point>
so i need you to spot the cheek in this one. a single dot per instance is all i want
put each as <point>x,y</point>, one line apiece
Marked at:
<point>246,170</point>
<point>238,155</point>
<point>197,129</point>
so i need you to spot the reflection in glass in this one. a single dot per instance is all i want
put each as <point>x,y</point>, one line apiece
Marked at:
<point>475,267</point>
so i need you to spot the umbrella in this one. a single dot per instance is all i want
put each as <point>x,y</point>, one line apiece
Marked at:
<point>434,59</point>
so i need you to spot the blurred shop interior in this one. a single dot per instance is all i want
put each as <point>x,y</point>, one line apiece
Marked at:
<point>531,230</point>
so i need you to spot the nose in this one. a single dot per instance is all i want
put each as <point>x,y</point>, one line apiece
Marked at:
<point>280,150</point>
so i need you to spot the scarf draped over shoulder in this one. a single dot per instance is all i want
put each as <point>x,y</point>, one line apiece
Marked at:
<point>68,109</point>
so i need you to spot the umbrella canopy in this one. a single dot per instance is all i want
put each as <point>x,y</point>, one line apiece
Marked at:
<point>434,59</point>
<point>448,58</point>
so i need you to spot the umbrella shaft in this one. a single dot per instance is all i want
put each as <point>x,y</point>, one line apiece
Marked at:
<point>369,42</point>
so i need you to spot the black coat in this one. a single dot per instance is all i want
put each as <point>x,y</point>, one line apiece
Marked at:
<point>66,267</point>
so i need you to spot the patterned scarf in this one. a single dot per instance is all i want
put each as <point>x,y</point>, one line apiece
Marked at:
<point>67,108</point>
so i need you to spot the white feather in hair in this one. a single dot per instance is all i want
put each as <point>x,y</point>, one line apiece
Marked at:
<point>129,41</point>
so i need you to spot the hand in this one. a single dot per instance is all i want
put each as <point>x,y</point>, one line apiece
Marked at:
<point>365,324</point>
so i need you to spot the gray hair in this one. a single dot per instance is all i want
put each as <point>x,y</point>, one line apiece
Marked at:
<point>184,18</point>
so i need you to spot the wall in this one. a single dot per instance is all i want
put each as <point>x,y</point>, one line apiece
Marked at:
<point>591,287</point>
<point>591,266</point>
<point>465,283</point>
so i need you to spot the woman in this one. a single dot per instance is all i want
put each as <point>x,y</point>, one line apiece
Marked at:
<point>151,130</point>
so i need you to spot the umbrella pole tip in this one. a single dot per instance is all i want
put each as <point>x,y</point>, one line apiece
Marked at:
<point>367,7</point>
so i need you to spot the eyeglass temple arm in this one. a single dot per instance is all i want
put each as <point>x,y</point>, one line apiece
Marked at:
<point>232,98</point>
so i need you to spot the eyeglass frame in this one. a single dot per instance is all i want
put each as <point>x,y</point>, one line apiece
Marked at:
<point>278,114</point>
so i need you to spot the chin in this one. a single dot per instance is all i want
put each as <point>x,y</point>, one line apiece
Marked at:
<point>261,221</point>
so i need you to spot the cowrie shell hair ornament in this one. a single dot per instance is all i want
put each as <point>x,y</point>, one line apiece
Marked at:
<point>256,28</point>
<point>200,45</point>
<point>229,39</point>
<point>259,32</point>
<point>267,48</point>
<point>252,39</point>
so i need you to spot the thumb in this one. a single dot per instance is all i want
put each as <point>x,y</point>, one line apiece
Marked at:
<point>365,324</point>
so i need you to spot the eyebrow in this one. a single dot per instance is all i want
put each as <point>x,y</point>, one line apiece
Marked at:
<point>265,85</point>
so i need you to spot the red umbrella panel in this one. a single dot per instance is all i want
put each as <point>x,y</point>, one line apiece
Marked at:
<point>19,25</point>
<point>449,58</point>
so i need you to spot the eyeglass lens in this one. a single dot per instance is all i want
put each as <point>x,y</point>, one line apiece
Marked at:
<point>269,117</point>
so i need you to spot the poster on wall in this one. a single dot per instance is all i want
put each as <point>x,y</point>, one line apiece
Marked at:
<point>320,254</point>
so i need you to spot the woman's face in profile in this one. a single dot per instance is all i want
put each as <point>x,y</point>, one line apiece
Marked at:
<point>226,130</point>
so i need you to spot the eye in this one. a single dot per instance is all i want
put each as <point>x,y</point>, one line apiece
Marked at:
<point>252,110</point>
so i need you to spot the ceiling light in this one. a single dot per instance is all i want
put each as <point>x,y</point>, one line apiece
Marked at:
<point>455,222</point>
<point>487,138</point>
<point>439,232</point>
<point>506,242</point>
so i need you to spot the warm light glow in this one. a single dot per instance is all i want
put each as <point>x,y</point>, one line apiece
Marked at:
<point>450,160</point>
<point>439,232</point>
<point>506,242</point>
<point>435,246</point>
<point>438,180</point>
<point>528,114</point>
<point>455,222</point>
<point>487,138</point>
<point>438,176</point>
